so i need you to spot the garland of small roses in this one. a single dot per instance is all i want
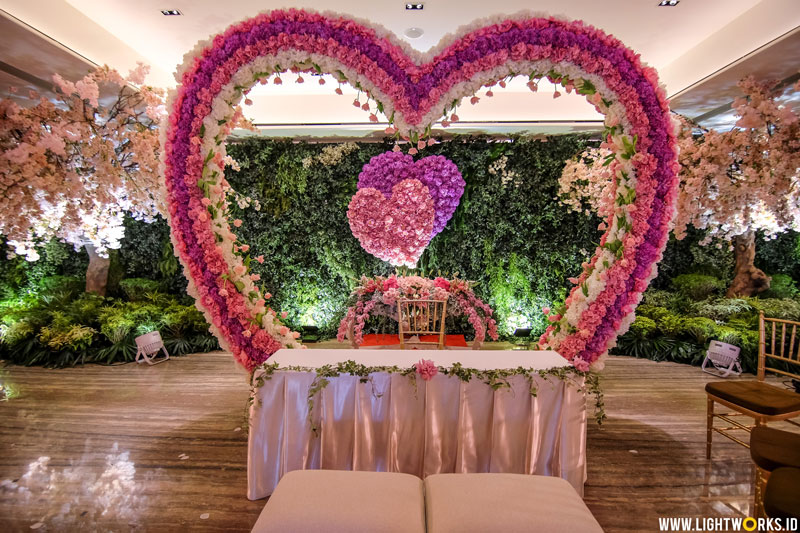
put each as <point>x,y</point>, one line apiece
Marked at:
<point>495,378</point>
<point>413,93</point>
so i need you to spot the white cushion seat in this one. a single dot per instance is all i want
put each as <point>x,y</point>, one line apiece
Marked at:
<point>338,501</point>
<point>510,503</point>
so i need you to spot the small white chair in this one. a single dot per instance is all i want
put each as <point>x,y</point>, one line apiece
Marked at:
<point>724,358</point>
<point>148,346</point>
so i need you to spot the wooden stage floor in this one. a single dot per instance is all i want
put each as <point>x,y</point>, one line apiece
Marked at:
<point>132,448</point>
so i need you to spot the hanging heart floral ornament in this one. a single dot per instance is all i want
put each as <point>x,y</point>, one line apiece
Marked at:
<point>415,91</point>
<point>397,223</point>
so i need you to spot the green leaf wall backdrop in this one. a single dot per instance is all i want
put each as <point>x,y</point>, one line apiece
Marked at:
<point>510,233</point>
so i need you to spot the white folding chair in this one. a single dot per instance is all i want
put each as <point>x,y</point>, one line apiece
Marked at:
<point>148,346</point>
<point>724,358</point>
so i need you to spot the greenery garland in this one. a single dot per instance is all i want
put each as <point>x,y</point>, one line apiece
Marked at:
<point>497,378</point>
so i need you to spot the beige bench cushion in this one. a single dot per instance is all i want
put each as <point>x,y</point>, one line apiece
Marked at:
<point>504,502</point>
<point>337,501</point>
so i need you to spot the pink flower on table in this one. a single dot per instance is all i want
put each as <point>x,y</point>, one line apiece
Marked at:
<point>267,296</point>
<point>365,107</point>
<point>260,259</point>
<point>338,91</point>
<point>322,81</point>
<point>454,118</point>
<point>426,369</point>
<point>284,330</point>
<point>244,248</point>
<point>474,100</point>
<point>413,151</point>
<point>240,270</point>
<point>356,103</point>
<point>277,80</point>
<point>556,94</point>
<point>295,334</point>
<point>237,223</point>
<point>255,277</point>
<point>373,117</point>
<point>580,364</point>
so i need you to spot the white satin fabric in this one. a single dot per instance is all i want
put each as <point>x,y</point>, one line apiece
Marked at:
<point>445,425</point>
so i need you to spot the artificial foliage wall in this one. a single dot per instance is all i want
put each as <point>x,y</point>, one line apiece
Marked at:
<point>510,233</point>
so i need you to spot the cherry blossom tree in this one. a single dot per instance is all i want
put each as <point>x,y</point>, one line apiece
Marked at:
<point>71,168</point>
<point>733,184</point>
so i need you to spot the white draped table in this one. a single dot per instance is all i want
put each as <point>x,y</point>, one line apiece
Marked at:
<point>441,425</point>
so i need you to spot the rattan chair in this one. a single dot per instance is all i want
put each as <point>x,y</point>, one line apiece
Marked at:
<point>421,317</point>
<point>754,398</point>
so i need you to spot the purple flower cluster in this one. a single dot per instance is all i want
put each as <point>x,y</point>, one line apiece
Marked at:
<point>439,174</point>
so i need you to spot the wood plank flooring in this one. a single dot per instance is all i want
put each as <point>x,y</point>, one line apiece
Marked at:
<point>164,448</point>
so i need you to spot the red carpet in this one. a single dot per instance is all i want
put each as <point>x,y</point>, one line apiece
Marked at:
<point>384,339</point>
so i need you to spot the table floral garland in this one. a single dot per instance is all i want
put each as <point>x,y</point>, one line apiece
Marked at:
<point>414,90</point>
<point>379,295</point>
<point>425,369</point>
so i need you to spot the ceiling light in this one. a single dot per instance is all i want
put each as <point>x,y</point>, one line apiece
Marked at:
<point>415,7</point>
<point>414,33</point>
<point>668,3</point>
<point>170,12</point>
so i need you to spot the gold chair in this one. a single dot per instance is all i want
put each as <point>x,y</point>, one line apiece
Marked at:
<point>754,398</point>
<point>421,317</point>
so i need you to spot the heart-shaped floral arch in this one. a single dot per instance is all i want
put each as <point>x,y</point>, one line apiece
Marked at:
<point>414,90</point>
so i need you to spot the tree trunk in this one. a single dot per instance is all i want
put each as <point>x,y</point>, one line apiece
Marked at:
<point>97,272</point>
<point>747,279</point>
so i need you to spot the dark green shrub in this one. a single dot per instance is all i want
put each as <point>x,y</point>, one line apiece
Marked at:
<point>698,286</point>
<point>71,285</point>
<point>139,289</point>
<point>659,298</point>
<point>781,286</point>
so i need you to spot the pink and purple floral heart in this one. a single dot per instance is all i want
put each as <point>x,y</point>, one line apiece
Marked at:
<point>395,223</point>
<point>436,172</point>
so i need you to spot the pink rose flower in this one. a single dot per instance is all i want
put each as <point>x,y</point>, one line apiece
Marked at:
<point>426,369</point>
<point>441,282</point>
<point>260,259</point>
<point>284,314</point>
<point>546,310</point>
<point>237,223</point>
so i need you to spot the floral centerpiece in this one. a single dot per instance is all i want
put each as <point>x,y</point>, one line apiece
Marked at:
<point>379,295</point>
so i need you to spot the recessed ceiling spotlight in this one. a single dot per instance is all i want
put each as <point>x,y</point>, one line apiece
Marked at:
<point>668,3</point>
<point>171,12</point>
<point>414,33</point>
<point>415,7</point>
